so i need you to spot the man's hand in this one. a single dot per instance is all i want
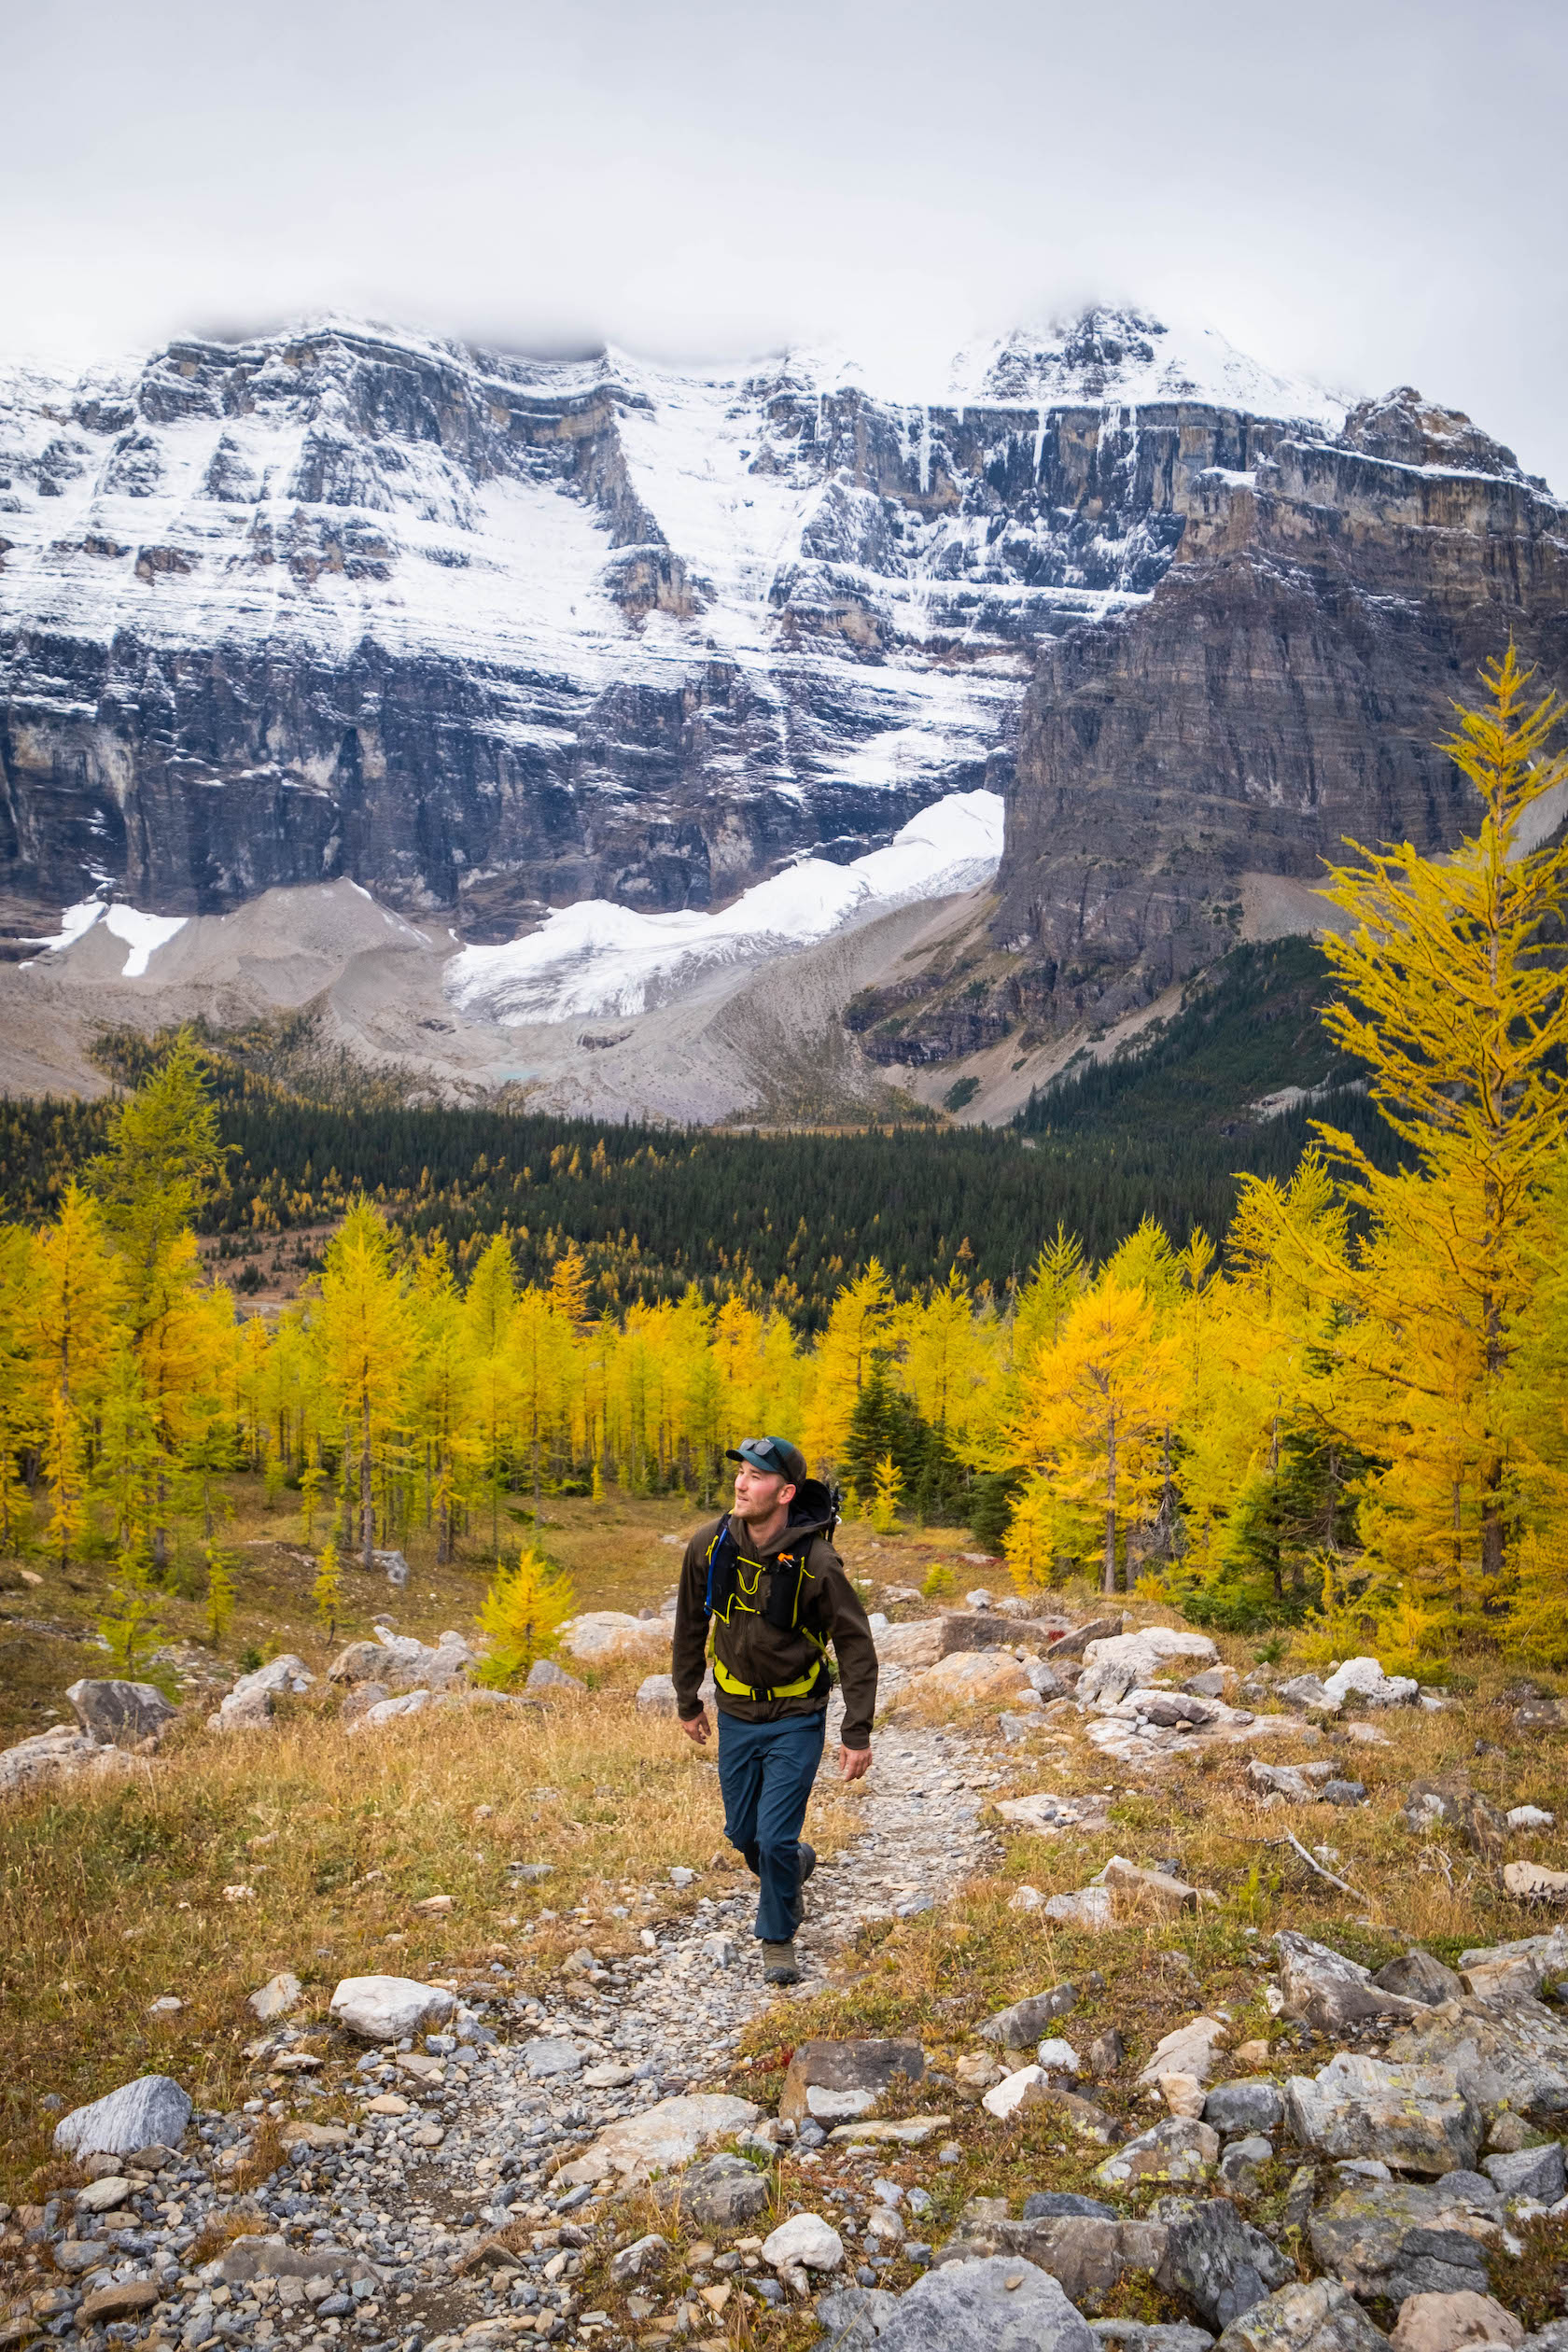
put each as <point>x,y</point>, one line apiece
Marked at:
<point>696,1727</point>
<point>853,1763</point>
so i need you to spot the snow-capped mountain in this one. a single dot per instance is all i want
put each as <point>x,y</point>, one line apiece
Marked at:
<point>497,635</point>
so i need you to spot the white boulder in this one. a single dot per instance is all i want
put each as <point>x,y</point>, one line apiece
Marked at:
<point>1365,1677</point>
<point>381,2009</point>
<point>804,2242</point>
<point>248,1705</point>
<point>1129,1661</point>
<point>604,1635</point>
<point>152,2112</point>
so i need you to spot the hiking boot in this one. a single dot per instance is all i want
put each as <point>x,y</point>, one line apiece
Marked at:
<point>807,1864</point>
<point>779,1965</point>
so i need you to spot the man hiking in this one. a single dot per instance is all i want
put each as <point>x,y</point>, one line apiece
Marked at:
<point>767,1578</point>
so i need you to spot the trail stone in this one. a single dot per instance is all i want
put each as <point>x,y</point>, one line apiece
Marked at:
<point>1391,2238</point>
<point>59,1754</point>
<point>1414,2117</point>
<point>1088,2254</point>
<point>1181,2148</point>
<point>544,1674</point>
<point>997,2303</point>
<point>1416,1976</point>
<point>1315,2316</point>
<point>276,1997</point>
<point>644,2254</point>
<point>1045,1814</point>
<point>1075,1645</point>
<point>1017,2091</point>
<point>1530,2171</point>
<point>603,1635</point>
<point>1442,2323</point>
<point>1189,2050</point>
<point>804,2242</point>
<point>1091,1907</point>
<point>1365,1678</point>
<point>151,2108</point>
<point>1514,1971</point>
<point>1249,2104</point>
<point>1221,2264</point>
<point>1242,2163</point>
<point>1515,2056</point>
<point>1128,1661</point>
<point>123,2299</point>
<point>1328,1991</point>
<point>834,2081</point>
<point>1106,2053</point>
<point>1307,1695</point>
<point>381,2008</point>
<point>1139,2335</point>
<point>1140,1889</point>
<point>854,2317</point>
<point>120,1713</point>
<point>549,2055</point>
<point>248,1705</point>
<point>1017,2027</point>
<point>663,2137</point>
<point>104,2195</point>
<point>722,2193</point>
<point>972,1678</point>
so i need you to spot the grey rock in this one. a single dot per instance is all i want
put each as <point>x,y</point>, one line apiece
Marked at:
<point>1306,1694</point>
<point>120,1713</point>
<point>1514,1971</point>
<point>1416,2118</point>
<point>645,2254</point>
<point>1343,1792</point>
<point>1209,1684</point>
<point>1105,2053</point>
<point>151,2108</point>
<point>1391,2238</point>
<point>1242,2163</point>
<point>1300,2196</point>
<point>1140,2336</point>
<point>1329,1991</point>
<point>544,1674</point>
<point>1088,2254</point>
<point>997,2303</point>
<point>1054,2205</point>
<point>1220,2264</point>
<point>1418,1977</point>
<point>1531,2172</point>
<point>1515,2056</point>
<point>546,2055</point>
<point>835,2082</point>
<point>381,2009</point>
<point>722,2193</point>
<point>276,1997</point>
<point>1179,2148</point>
<point>1019,2027</point>
<point>1249,2104</point>
<point>854,2317</point>
<point>1315,2316</point>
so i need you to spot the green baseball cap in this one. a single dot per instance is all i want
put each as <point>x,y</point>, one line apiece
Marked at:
<point>775,1456</point>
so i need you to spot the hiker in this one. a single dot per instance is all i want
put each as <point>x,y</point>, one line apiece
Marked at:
<point>767,1578</point>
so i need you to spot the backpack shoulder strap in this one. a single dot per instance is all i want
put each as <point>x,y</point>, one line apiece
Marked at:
<point>721,1536</point>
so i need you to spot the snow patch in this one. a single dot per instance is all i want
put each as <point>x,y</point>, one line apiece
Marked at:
<point>142,934</point>
<point>597,959</point>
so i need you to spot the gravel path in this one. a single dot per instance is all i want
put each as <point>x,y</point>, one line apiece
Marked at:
<point>370,2233</point>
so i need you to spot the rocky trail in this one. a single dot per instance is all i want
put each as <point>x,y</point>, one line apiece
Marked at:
<point>1299,2154</point>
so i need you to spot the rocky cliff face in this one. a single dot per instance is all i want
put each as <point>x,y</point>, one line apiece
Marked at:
<point>1283,687</point>
<point>488,636</point>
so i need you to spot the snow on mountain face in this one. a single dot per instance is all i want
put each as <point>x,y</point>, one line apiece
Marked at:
<point>500,636</point>
<point>598,958</point>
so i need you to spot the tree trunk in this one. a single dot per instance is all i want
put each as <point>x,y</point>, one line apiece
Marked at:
<point>367,1488</point>
<point>1110,1580</point>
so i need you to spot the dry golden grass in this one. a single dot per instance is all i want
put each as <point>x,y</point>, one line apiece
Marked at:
<point>114,1895</point>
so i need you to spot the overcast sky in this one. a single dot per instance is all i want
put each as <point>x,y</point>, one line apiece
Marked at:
<point>1367,190</point>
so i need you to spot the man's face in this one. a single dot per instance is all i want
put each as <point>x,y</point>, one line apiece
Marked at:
<point>758,1493</point>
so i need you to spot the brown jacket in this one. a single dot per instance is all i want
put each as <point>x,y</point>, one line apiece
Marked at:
<point>762,1656</point>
